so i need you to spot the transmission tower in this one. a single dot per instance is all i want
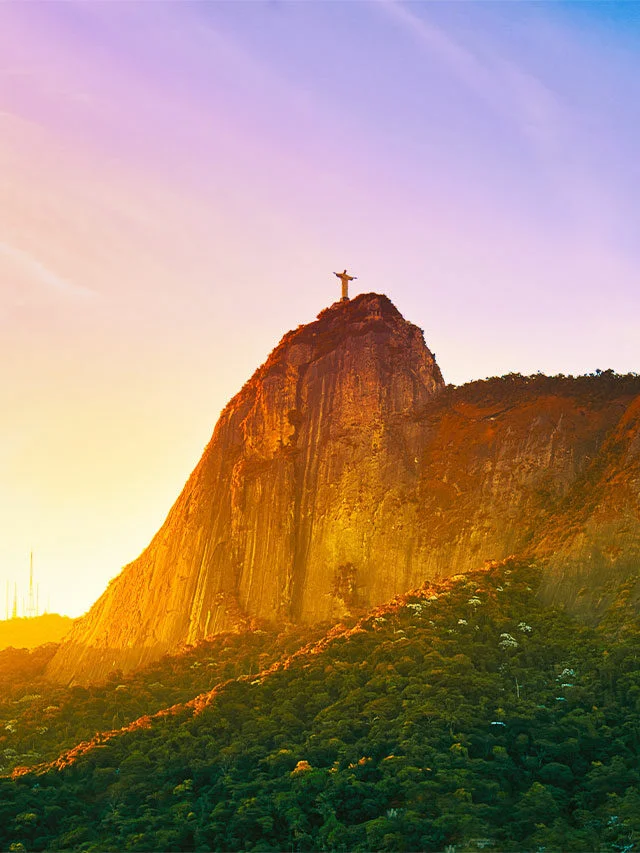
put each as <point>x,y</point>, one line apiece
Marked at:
<point>31,604</point>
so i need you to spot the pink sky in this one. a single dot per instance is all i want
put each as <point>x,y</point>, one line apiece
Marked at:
<point>178,181</point>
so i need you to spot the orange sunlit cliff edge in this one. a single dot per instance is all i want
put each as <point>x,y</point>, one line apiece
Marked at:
<point>345,472</point>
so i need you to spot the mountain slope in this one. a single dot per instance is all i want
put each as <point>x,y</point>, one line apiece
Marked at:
<point>593,544</point>
<point>40,719</point>
<point>345,472</point>
<point>464,713</point>
<point>547,466</point>
<point>275,523</point>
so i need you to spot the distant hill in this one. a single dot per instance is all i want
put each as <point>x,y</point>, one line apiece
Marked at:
<point>29,633</point>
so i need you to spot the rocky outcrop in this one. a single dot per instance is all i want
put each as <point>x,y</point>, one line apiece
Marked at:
<point>299,505</point>
<point>537,466</point>
<point>344,473</point>
<point>593,543</point>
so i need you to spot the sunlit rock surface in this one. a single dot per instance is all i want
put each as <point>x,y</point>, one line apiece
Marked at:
<point>300,506</point>
<point>345,472</point>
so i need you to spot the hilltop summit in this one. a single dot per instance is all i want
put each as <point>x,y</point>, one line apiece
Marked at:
<point>344,473</point>
<point>297,510</point>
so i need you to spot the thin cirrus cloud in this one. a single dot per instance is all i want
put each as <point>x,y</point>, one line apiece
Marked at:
<point>510,91</point>
<point>38,272</point>
<point>593,215</point>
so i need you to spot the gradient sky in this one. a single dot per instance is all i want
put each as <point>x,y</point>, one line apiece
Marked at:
<point>179,180</point>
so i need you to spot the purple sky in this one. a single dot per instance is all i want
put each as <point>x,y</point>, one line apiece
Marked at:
<point>178,181</point>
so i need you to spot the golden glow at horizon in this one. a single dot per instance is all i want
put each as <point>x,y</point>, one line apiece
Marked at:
<point>177,190</point>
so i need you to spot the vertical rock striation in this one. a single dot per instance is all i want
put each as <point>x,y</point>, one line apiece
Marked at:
<point>344,473</point>
<point>297,510</point>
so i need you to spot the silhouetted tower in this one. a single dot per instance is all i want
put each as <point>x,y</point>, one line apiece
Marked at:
<point>6,602</point>
<point>31,605</point>
<point>14,612</point>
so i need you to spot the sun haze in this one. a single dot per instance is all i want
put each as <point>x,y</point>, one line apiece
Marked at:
<point>181,180</point>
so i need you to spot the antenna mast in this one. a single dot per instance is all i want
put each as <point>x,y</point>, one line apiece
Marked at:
<point>31,607</point>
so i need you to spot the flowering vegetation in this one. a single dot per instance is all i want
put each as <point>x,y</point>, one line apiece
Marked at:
<point>500,725</point>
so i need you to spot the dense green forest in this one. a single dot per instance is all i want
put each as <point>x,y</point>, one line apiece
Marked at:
<point>38,719</point>
<point>466,715</point>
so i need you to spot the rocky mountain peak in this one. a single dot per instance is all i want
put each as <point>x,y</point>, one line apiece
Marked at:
<point>344,473</point>
<point>338,327</point>
<point>288,515</point>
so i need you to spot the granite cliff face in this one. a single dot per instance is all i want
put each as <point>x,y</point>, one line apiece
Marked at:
<point>345,472</point>
<point>298,506</point>
<point>538,466</point>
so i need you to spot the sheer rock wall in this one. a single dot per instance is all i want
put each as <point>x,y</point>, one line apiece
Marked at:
<point>345,472</point>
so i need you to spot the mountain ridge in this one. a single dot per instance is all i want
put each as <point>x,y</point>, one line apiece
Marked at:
<point>345,471</point>
<point>329,412</point>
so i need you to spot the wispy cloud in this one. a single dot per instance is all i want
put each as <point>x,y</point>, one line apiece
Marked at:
<point>510,91</point>
<point>42,274</point>
<point>552,128</point>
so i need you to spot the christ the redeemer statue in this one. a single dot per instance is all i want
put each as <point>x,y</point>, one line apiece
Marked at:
<point>345,278</point>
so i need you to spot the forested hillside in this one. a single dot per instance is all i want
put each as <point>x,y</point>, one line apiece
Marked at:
<point>39,720</point>
<point>467,714</point>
